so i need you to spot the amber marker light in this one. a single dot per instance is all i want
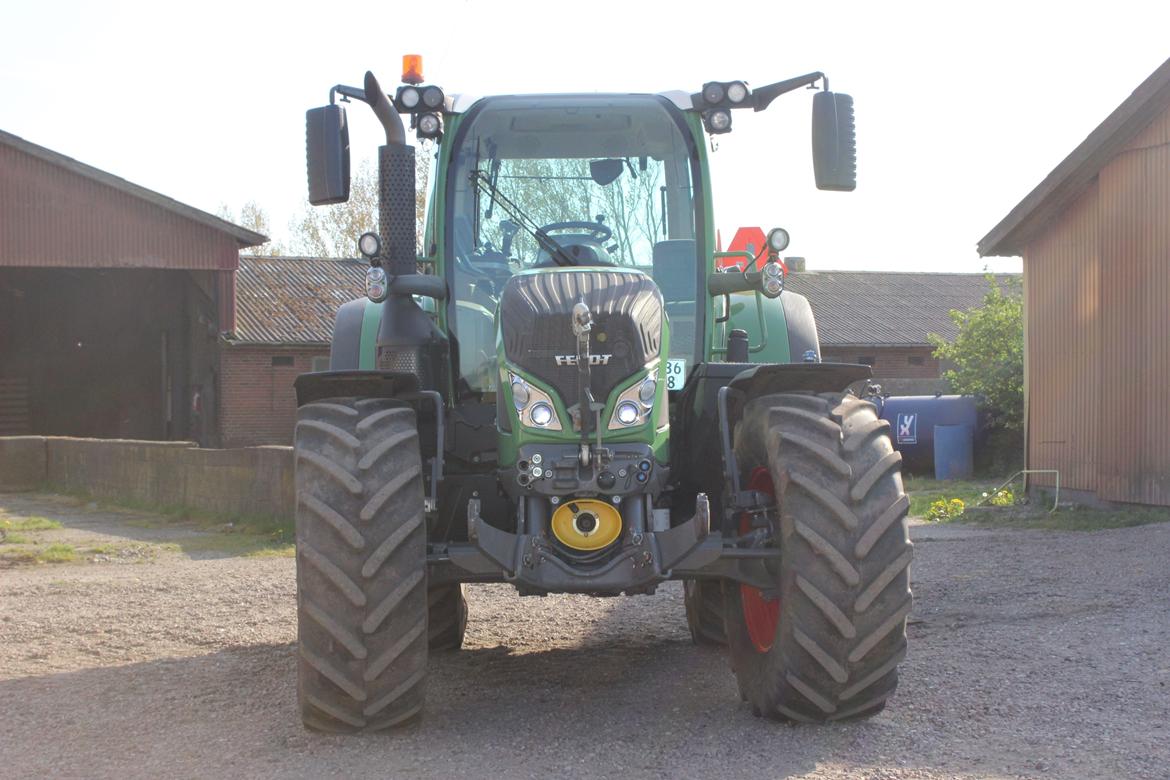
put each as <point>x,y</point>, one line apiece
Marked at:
<point>412,72</point>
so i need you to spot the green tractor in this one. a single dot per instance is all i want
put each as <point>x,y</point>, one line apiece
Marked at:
<point>564,392</point>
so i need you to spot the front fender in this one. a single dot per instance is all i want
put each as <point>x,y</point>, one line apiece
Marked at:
<point>798,377</point>
<point>354,384</point>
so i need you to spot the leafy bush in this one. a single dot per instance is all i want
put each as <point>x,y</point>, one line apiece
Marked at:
<point>988,355</point>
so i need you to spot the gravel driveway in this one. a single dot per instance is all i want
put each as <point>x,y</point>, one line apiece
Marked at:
<point>1033,654</point>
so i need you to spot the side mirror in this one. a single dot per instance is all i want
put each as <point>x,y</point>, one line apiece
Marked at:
<point>834,142</point>
<point>327,142</point>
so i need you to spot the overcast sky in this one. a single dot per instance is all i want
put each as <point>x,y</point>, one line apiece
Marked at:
<point>960,113</point>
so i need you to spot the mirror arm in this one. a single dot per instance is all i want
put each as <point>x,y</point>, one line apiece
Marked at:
<point>763,97</point>
<point>346,93</point>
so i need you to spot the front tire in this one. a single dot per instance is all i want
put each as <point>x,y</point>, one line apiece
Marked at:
<point>830,649</point>
<point>361,565</point>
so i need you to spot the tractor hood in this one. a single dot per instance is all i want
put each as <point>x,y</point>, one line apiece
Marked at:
<point>537,334</point>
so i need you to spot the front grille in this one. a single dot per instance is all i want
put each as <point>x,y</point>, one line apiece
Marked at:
<point>535,310</point>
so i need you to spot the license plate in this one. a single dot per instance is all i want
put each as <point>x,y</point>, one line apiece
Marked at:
<point>676,373</point>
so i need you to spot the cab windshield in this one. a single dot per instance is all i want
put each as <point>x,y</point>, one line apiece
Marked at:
<point>611,180</point>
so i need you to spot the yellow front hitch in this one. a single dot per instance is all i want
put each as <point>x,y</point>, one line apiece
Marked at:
<point>586,524</point>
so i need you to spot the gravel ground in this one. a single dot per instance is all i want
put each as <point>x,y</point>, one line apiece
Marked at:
<point>1033,654</point>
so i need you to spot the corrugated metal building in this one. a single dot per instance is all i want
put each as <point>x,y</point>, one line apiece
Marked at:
<point>112,301</point>
<point>1095,238</point>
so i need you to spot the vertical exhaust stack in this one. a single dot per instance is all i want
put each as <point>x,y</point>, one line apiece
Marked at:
<point>408,341</point>
<point>396,196</point>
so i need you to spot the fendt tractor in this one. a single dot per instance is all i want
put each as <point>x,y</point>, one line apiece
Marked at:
<point>563,391</point>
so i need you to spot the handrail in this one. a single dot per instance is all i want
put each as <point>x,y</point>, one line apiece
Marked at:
<point>1022,472</point>
<point>752,349</point>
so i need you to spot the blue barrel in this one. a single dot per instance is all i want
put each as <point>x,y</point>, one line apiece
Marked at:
<point>954,451</point>
<point>913,419</point>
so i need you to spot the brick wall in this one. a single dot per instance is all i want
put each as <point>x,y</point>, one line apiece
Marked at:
<point>889,362</point>
<point>257,402</point>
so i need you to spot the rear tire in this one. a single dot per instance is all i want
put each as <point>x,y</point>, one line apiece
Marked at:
<point>843,577</point>
<point>361,565</point>
<point>703,600</point>
<point>447,616</point>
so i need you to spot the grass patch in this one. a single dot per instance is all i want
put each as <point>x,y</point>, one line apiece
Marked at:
<point>1075,519</point>
<point>15,539</point>
<point>924,491</point>
<point>237,544</point>
<point>28,524</point>
<point>257,536</point>
<point>57,553</point>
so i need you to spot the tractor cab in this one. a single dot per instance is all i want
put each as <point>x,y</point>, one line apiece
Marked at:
<point>598,182</point>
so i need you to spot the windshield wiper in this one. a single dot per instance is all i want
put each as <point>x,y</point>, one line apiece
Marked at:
<point>555,250</point>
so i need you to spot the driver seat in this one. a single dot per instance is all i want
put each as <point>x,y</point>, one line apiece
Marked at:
<point>583,254</point>
<point>674,270</point>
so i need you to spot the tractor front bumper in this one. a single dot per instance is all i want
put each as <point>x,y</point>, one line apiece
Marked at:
<point>531,562</point>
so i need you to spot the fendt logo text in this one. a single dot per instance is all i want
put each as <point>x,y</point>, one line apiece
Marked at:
<point>594,360</point>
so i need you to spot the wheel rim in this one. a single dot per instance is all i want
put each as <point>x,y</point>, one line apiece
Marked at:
<point>761,615</point>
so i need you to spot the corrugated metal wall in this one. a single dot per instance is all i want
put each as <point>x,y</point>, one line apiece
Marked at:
<point>1098,330</point>
<point>1061,293</point>
<point>52,217</point>
<point>1134,456</point>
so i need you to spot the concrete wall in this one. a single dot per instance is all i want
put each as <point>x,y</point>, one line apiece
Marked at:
<point>247,481</point>
<point>22,462</point>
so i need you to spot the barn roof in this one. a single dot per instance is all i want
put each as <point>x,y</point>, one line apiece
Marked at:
<point>1069,179</point>
<point>880,308</point>
<point>292,300</point>
<point>245,237</point>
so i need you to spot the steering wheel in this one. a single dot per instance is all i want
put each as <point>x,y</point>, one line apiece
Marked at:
<point>598,231</point>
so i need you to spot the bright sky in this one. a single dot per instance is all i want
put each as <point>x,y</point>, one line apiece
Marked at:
<point>961,108</point>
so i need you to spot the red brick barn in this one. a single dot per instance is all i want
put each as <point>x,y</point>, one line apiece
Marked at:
<point>284,322</point>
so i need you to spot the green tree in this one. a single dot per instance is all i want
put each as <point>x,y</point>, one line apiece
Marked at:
<point>253,218</point>
<point>988,354</point>
<point>332,231</point>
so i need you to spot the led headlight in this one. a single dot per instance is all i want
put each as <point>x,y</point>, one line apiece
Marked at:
<point>429,125</point>
<point>777,239</point>
<point>647,390</point>
<point>635,404</point>
<point>369,245</point>
<point>409,97</point>
<point>737,92</point>
<point>717,120</point>
<point>541,414</point>
<point>627,413</point>
<point>520,394</point>
<point>533,406</point>
<point>432,97</point>
<point>713,92</point>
